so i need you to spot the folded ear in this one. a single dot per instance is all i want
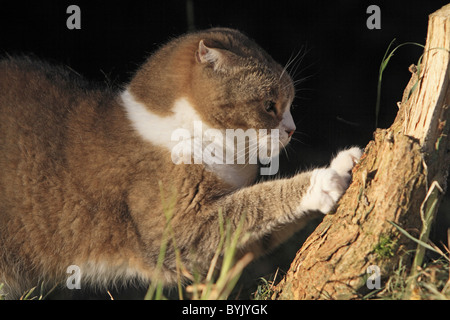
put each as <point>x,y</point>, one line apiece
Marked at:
<point>211,56</point>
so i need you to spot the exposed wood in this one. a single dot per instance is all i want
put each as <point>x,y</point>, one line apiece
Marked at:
<point>390,183</point>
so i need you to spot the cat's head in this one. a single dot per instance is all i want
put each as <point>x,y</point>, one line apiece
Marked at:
<point>226,78</point>
<point>238,85</point>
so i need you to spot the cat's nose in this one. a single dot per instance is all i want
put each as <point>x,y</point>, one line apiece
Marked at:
<point>290,132</point>
<point>288,123</point>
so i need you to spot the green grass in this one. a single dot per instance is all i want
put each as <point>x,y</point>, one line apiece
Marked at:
<point>384,63</point>
<point>219,287</point>
<point>212,286</point>
<point>385,248</point>
<point>429,282</point>
<point>265,288</point>
<point>2,297</point>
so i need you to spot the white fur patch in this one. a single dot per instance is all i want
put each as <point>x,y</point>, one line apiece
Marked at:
<point>325,190</point>
<point>287,121</point>
<point>327,185</point>
<point>104,274</point>
<point>158,130</point>
<point>286,125</point>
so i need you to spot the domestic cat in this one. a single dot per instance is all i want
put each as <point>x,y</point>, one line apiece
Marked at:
<point>87,172</point>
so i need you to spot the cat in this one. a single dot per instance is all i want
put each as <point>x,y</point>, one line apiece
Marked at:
<point>88,172</point>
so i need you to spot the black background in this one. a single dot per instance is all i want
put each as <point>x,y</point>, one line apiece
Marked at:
<point>335,104</point>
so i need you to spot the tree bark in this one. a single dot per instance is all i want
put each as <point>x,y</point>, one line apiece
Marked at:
<point>400,167</point>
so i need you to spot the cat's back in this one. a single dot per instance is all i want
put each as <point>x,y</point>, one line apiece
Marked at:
<point>32,89</point>
<point>37,101</point>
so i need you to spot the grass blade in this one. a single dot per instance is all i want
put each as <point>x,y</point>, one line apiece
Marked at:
<point>404,232</point>
<point>384,62</point>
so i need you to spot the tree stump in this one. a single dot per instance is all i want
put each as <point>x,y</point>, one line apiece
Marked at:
<point>399,170</point>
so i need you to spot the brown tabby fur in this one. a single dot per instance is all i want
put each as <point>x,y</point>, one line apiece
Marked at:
<point>79,186</point>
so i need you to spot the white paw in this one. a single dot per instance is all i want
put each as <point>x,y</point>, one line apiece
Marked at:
<point>345,160</point>
<point>329,184</point>
<point>326,187</point>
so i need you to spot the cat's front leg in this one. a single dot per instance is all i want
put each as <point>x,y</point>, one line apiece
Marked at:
<point>327,185</point>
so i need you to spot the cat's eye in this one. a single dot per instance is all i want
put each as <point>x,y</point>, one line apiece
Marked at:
<point>270,106</point>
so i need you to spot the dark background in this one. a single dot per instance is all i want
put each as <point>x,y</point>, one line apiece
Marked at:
<point>335,104</point>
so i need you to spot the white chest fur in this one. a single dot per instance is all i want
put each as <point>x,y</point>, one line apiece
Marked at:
<point>159,130</point>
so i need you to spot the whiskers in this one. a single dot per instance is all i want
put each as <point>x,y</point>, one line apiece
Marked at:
<point>284,147</point>
<point>249,151</point>
<point>261,150</point>
<point>297,139</point>
<point>292,68</point>
<point>289,147</point>
<point>293,61</point>
<point>244,156</point>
